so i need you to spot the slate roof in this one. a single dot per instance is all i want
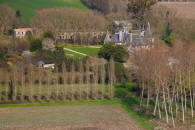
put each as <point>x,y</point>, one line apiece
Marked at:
<point>131,40</point>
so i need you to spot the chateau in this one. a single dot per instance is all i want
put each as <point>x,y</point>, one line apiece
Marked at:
<point>131,39</point>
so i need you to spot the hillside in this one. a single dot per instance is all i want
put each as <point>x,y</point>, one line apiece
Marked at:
<point>28,7</point>
<point>184,9</point>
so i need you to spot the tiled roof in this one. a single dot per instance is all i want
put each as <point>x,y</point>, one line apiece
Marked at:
<point>23,29</point>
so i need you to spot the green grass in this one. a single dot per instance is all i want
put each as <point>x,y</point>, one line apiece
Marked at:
<point>53,89</point>
<point>28,7</point>
<point>75,55</point>
<point>84,49</point>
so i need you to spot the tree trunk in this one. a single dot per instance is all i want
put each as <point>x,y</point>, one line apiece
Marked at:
<point>154,112</point>
<point>23,83</point>
<point>102,79</point>
<point>159,111</point>
<point>87,79</point>
<point>64,76</point>
<point>31,80</point>
<point>142,94</point>
<point>40,84</point>
<point>81,79</point>
<point>148,97</point>
<point>6,85</point>
<point>183,114</point>
<point>96,81</point>
<point>165,106</point>
<point>48,84</point>
<point>72,81</point>
<point>57,82</point>
<point>14,85</point>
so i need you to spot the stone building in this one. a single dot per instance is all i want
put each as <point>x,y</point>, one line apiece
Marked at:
<point>133,39</point>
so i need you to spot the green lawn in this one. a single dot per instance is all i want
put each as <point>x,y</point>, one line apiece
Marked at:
<point>28,7</point>
<point>75,55</point>
<point>91,51</point>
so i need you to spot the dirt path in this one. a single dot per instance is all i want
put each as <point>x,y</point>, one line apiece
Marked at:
<point>75,51</point>
<point>107,117</point>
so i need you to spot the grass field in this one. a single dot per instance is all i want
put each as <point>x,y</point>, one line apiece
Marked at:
<point>28,7</point>
<point>90,51</point>
<point>75,55</point>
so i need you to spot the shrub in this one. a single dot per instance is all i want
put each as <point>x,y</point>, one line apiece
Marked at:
<point>35,45</point>
<point>48,35</point>
<point>121,73</point>
<point>48,44</point>
<point>125,89</point>
<point>121,92</point>
<point>22,47</point>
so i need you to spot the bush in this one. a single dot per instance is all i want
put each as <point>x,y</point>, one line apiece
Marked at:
<point>123,90</point>
<point>48,35</point>
<point>121,73</point>
<point>48,56</point>
<point>35,45</point>
<point>22,47</point>
<point>118,52</point>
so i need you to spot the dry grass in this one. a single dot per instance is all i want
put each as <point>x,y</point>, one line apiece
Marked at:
<point>184,9</point>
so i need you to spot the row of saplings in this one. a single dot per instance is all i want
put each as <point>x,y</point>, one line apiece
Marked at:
<point>89,80</point>
<point>167,77</point>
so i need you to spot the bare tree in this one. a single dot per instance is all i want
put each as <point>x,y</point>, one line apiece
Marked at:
<point>7,17</point>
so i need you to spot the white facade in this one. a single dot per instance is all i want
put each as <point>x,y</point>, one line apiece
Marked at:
<point>21,32</point>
